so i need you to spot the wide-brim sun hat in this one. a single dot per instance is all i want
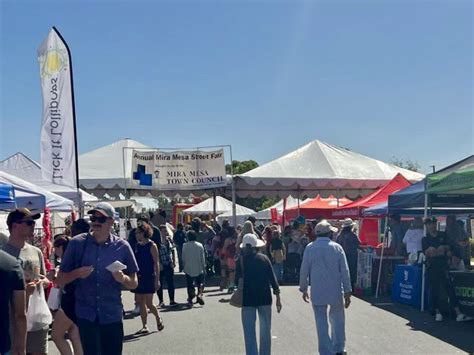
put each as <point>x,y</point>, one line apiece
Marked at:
<point>324,227</point>
<point>251,239</point>
<point>348,222</point>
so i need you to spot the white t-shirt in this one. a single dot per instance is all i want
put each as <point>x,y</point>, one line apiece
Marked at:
<point>413,239</point>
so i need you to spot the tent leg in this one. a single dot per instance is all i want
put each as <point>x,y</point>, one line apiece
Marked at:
<point>381,260</point>
<point>214,205</point>
<point>234,212</point>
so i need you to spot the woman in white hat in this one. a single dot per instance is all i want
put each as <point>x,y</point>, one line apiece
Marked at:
<point>350,243</point>
<point>258,276</point>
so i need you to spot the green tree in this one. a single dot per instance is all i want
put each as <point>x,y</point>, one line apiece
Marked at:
<point>241,167</point>
<point>406,164</point>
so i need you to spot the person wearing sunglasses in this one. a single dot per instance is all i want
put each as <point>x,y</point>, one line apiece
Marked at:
<point>99,308</point>
<point>21,225</point>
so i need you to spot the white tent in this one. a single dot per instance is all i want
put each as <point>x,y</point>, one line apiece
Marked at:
<point>108,170</point>
<point>104,168</point>
<point>266,213</point>
<point>239,218</point>
<point>222,206</point>
<point>319,168</point>
<point>25,198</point>
<point>53,201</point>
<point>27,169</point>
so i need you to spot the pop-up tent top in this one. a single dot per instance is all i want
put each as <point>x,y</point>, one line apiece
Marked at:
<point>7,196</point>
<point>222,206</point>
<point>12,197</point>
<point>457,179</point>
<point>356,208</point>
<point>33,194</point>
<point>318,207</point>
<point>21,166</point>
<point>319,168</point>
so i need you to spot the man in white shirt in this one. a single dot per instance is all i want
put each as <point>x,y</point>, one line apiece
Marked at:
<point>194,263</point>
<point>325,263</point>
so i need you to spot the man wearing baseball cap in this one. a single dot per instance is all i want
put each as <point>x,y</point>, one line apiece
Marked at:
<point>21,225</point>
<point>325,263</point>
<point>99,308</point>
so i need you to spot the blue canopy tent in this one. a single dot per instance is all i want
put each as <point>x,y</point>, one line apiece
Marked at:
<point>7,197</point>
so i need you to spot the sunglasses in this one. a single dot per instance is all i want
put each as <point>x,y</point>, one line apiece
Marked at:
<point>28,222</point>
<point>101,219</point>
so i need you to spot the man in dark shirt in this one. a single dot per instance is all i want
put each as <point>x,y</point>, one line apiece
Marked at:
<point>437,250</point>
<point>156,237</point>
<point>12,294</point>
<point>179,238</point>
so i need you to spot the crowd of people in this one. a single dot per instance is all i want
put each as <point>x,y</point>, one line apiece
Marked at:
<point>92,267</point>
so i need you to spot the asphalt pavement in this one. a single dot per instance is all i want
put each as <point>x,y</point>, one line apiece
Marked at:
<point>371,328</point>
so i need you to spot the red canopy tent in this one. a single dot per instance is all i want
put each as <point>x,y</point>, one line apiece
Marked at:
<point>317,207</point>
<point>355,209</point>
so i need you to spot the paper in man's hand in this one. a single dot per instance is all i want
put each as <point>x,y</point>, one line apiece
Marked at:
<point>116,266</point>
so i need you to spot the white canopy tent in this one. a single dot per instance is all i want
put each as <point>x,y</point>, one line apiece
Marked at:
<point>222,206</point>
<point>108,170</point>
<point>319,168</point>
<point>53,201</point>
<point>27,169</point>
<point>266,213</point>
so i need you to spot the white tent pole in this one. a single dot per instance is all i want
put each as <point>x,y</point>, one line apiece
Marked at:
<point>234,209</point>
<point>298,199</point>
<point>214,205</point>
<point>381,258</point>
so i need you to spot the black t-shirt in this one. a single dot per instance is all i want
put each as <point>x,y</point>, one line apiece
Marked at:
<point>179,237</point>
<point>11,279</point>
<point>258,278</point>
<point>439,262</point>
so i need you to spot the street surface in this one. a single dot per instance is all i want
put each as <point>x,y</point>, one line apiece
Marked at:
<point>215,328</point>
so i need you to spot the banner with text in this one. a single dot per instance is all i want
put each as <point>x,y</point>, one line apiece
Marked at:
<point>58,147</point>
<point>178,170</point>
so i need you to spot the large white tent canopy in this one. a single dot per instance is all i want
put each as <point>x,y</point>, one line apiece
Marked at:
<point>27,169</point>
<point>319,168</point>
<point>108,170</point>
<point>53,201</point>
<point>222,206</point>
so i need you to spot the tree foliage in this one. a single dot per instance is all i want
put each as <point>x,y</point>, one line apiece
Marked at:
<point>241,167</point>
<point>406,164</point>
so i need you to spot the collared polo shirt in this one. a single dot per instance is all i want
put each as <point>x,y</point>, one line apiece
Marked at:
<point>98,296</point>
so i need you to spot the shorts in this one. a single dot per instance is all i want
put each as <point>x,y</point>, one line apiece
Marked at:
<point>231,263</point>
<point>37,342</point>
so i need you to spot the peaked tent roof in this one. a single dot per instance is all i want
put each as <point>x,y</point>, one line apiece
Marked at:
<point>222,206</point>
<point>316,207</point>
<point>319,168</point>
<point>27,169</point>
<point>104,167</point>
<point>355,209</point>
<point>266,213</point>
<point>53,201</point>
<point>457,178</point>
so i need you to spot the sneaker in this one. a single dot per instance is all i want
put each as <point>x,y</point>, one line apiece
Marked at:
<point>173,303</point>
<point>144,330</point>
<point>439,317</point>
<point>190,303</point>
<point>200,300</point>
<point>161,305</point>
<point>136,310</point>
<point>463,318</point>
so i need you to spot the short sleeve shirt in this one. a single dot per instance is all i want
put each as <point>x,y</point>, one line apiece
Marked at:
<point>11,279</point>
<point>98,296</point>
<point>31,259</point>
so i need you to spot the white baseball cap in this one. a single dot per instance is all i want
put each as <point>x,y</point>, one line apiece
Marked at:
<point>252,240</point>
<point>324,227</point>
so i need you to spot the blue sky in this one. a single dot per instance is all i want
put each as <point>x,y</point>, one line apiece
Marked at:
<point>383,78</point>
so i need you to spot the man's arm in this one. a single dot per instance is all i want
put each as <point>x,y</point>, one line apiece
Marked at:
<point>304,275</point>
<point>19,316</point>
<point>129,281</point>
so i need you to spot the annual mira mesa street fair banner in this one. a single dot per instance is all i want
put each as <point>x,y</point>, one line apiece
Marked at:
<point>178,170</point>
<point>58,146</point>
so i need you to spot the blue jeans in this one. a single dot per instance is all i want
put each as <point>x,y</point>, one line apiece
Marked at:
<point>337,341</point>
<point>249,317</point>
<point>278,269</point>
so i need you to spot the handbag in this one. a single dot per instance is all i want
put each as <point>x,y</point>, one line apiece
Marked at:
<point>238,296</point>
<point>54,299</point>
<point>38,316</point>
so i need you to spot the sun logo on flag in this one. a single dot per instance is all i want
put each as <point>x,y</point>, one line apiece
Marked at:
<point>53,62</point>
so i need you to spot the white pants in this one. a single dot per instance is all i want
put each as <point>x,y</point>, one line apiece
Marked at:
<point>337,341</point>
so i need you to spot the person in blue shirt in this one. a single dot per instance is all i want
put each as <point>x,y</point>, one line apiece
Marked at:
<point>98,307</point>
<point>325,265</point>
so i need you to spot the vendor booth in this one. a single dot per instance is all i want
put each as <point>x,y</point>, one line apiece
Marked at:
<point>316,208</point>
